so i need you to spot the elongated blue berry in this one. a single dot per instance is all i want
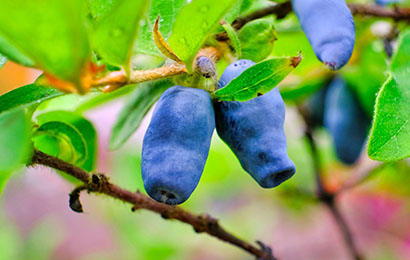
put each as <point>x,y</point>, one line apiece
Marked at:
<point>345,120</point>
<point>254,131</point>
<point>329,27</point>
<point>176,144</point>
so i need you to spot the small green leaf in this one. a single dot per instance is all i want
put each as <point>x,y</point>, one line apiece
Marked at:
<point>193,25</point>
<point>27,96</point>
<point>2,60</point>
<point>83,127</point>
<point>51,33</point>
<point>390,134</point>
<point>115,33</point>
<point>15,147</point>
<point>134,110</point>
<point>401,60</point>
<point>67,133</point>
<point>234,38</point>
<point>14,54</point>
<point>168,11</point>
<point>257,38</point>
<point>258,79</point>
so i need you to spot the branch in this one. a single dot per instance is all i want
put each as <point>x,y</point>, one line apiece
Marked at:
<point>99,183</point>
<point>396,13</point>
<point>117,79</point>
<point>325,196</point>
<point>347,234</point>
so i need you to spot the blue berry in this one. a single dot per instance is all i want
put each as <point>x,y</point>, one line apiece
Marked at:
<point>254,131</point>
<point>176,144</point>
<point>345,120</point>
<point>329,27</point>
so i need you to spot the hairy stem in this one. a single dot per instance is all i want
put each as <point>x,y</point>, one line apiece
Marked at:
<point>99,183</point>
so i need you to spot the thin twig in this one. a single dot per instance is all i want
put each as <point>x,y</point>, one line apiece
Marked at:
<point>203,223</point>
<point>347,234</point>
<point>326,197</point>
<point>396,13</point>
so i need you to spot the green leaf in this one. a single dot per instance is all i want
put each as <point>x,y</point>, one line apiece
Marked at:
<point>83,127</point>
<point>134,110</point>
<point>257,38</point>
<point>51,33</point>
<point>258,79</point>
<point>390,134</point>
<point>401,60</point>
<point>234,38</point>
<point>100,8</point>
<point>68,134</point>
<point>2,60</point>
<point>14,54</point>
<point>15,147</point>
<point>168,11</point>
<point>115,33</point>
<point>27,96</point>
<point>193,25</point>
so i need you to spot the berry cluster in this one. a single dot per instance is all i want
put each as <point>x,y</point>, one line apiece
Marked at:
<point>176,144</point>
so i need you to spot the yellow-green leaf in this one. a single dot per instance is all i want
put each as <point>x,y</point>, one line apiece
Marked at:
<point>162,44</point>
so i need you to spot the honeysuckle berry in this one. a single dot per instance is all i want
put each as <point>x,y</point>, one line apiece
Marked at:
<point>176,144</point>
